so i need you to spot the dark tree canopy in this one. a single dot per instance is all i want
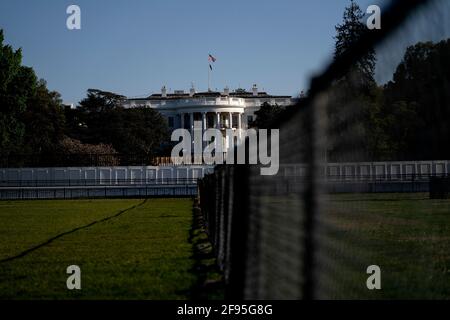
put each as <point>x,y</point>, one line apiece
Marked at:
<point>98,101</point>
<point>34,121</point>
<point>348,34</point>
<point>17,84</point>
<point>101,119</point>
<point>44,120</point>
<point>418,99</point>
<point>267,116</point>
<point>354,99</point>
<point>31,118</point>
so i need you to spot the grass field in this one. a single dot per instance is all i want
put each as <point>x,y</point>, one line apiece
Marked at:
<point>407,235</point>
<point>126,249</point>
<point>136,249</point>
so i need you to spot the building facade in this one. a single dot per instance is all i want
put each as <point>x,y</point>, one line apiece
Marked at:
<point>199,111</point>
<point>221,110</point>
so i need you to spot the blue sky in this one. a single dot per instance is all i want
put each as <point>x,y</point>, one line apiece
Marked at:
<point>133,47</point>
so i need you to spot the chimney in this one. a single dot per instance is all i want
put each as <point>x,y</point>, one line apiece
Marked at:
<point>255,90</point>
<point>164,92</point>
<point>226,91</point>
<point>191,91</point>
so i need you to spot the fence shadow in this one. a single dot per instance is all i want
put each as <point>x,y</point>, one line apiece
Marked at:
<point>209,283</point>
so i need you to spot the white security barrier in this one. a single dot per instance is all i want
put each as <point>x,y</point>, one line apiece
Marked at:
<point>104,175</point>
<point>74,182</point>
<point>390,170</point>
<point>93,182</point>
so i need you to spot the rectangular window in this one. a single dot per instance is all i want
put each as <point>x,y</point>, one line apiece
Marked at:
<point>249,119</point>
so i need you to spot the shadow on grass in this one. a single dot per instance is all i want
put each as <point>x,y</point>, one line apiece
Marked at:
<point>209,283</point>
<point>47,242</point>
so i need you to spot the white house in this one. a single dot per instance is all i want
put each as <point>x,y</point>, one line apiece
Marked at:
<point>221,110</point>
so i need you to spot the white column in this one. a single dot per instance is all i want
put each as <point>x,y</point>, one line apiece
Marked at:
<point>231,120</point>
<point>204,128</point>
<point>191,121</point>
<point>217,120</point>
<point>239,127</point>
<point>182,120</point>
<point>204,121</point>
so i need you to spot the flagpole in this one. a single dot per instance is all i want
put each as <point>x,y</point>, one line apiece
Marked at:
<point>211,59</point>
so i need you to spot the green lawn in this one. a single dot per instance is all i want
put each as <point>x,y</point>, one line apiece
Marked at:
<point>407,235</point>
<point>131,249</point>
<point>126,249</point>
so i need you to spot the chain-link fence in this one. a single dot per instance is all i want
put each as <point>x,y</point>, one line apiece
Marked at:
<point>304,233</point>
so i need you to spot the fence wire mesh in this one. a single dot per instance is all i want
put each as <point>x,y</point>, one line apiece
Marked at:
<point>355,168</point>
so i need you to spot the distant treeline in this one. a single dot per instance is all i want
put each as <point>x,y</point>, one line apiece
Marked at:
<point>34,121</point>
<point>406,119</point>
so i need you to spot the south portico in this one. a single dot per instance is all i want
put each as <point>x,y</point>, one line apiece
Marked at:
<point>234,109</point>
<point>209,110</point>
<point>218,118</point>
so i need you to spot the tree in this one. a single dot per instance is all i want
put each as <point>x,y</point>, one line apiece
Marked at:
<point>44,120</point>
<point>354,99</point>
<point>100,118</point>
<point>91,121</point>
<point>17,85</point>
<point>31,118</point>
<point>99,101</point>
<point>140,130</point>
<point>74,151</point>
<point>348,34</point>
<point>400,124</point>
<point>267,115</point>
<point>418,99</point>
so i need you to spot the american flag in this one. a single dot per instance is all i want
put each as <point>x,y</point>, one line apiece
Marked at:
<point>211,58</point>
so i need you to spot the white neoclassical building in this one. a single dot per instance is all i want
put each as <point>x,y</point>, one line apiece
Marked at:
<point>222,110</point>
